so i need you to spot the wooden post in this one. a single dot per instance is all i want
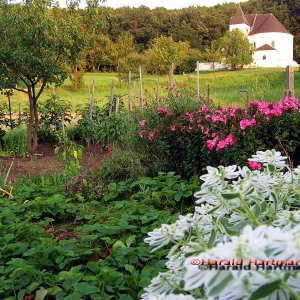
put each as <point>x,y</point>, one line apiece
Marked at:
<point>111,97</point>
<point>129,95</point>
<point>134,90</point>
<point>198,80</point>
<point>9,109</point>
<point>117,105</point>
<point>157,88</point>
<point>208,93</point>
<point>290,82</point>
<point>92,99</point>
<point>172,76</point>
<point>20,116</point>
<point>141,89</point>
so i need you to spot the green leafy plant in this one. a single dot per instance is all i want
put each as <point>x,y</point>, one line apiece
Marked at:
<point>15,141</point>
<point>55,113</point>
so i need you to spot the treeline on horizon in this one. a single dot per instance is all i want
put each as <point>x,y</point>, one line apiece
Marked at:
<point>198,26</point>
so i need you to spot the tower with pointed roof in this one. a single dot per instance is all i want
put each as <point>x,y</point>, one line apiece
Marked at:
<point>273,43</point>
<point>239,21</point>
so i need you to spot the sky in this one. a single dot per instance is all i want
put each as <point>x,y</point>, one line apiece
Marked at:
<point>169,4</point>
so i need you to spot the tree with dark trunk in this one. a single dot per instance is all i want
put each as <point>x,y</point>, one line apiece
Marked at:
<point>37,47</point>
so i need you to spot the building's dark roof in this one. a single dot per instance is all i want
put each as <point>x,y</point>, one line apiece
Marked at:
<point>239,17</point>
<point>258,23</point>
<point>265,23</point>
<point>265,47</point>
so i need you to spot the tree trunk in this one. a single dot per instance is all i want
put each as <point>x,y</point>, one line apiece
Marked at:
<point>33,124</point>
<point>30,127</point>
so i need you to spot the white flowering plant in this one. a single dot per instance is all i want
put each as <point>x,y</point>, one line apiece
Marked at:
<point>240,214</point>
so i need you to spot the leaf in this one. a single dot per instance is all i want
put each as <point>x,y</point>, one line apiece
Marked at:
<point>265,290</point>
<point>275,201</point>
<point>129,268</point>
<point>230,196</point>
<point>118,244</point>
<point>130,240</point>
<point>212,238</point>
<point>93,266</point>
<point>54,290</point>
<point>41,294</point>
<point>224,222</point>
<point>221,285</point>
<point>85,289</point>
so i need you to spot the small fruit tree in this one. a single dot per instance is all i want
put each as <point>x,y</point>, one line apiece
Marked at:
<point>37,47</point>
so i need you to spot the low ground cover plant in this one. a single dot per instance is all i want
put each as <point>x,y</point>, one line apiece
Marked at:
<point>58,243</point>
<point>241,213</point>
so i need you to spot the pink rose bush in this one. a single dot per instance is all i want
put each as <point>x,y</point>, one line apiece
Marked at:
<point>200,134</point>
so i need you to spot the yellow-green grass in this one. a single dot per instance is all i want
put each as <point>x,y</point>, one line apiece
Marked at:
<point>263,84</point>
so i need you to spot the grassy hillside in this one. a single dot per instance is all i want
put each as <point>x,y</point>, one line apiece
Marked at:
<point>262,84</point>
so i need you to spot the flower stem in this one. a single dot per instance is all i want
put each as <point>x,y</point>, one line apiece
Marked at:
<point>293,293</point>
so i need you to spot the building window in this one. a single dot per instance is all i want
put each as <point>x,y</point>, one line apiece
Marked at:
<point>264,57</point>
<point>273,44</point>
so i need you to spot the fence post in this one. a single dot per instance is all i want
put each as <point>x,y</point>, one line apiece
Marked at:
<point>111,97</point>
<point>290,82</point>
<point>117,105</point>
<point>129,95</point>
<point>157,88</point>
<point>141,88</point>
<point>198,80</point>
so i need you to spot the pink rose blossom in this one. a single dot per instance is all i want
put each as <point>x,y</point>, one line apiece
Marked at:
<point>143,123</point>
<point>207,118</point>
<point>210,144</point>
<point>173,128</point>
<point>151,136</point>
<point>247,123</point>
<point>253,165</point>
<point>142,133</point>
<point>205,108</point>
<point>162,111</point>
<point>228,141</point>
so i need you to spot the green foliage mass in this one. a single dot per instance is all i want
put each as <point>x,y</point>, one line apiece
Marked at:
<point>235,48</point>
<point>57,246</point>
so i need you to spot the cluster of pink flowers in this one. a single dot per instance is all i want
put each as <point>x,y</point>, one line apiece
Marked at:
<point>247,123</point>
<point>221,126</point>
<point>218,144</point>
<point>253,165</point>
<point>269,109</point>
<point>143,123</point>
<point>162,111</point>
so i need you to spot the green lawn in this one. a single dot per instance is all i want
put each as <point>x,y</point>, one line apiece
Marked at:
<point>262,84</point>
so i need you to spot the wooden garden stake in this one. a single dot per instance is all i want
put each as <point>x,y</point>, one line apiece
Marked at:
<point>111,97</point>
<point>157,88</point>
<point>20,116</point>
<point>290,82</point>
<point>129,95</point>
<point>198,80</point>
<point>134,90</point>
<point>117,105</point>
<point>141,88</point>
<point>208,93</point>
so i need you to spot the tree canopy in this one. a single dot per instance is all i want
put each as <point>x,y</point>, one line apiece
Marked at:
<point>235,48</point>
<point>37,47</point>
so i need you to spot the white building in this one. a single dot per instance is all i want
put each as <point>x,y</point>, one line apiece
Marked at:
<point>273,43</point>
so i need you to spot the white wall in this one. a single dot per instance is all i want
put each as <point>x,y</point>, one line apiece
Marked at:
<point>243,27</point>
<point>283,43</point>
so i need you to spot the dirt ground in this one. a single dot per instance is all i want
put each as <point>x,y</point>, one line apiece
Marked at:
<point>46,162</point>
